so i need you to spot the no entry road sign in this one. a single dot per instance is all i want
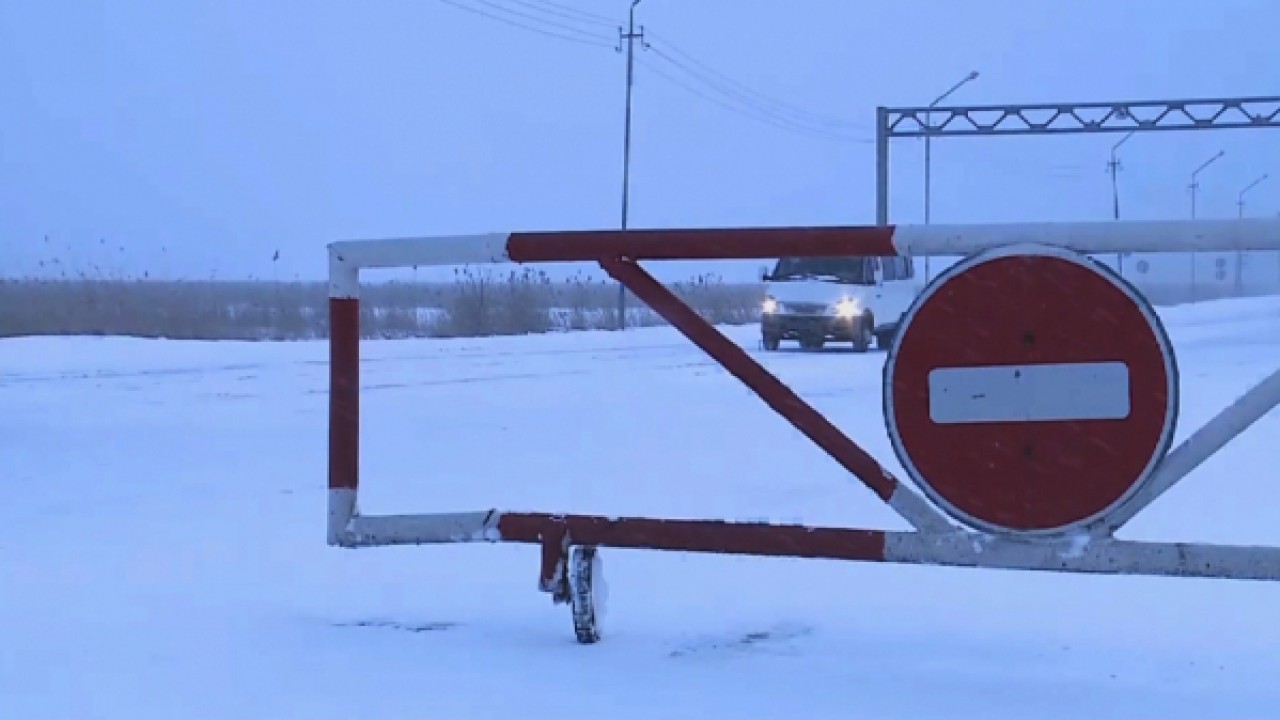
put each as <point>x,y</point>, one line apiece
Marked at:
<point>1030,390</point>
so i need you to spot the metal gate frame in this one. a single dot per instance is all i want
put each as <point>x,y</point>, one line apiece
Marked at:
<point>935,540</point>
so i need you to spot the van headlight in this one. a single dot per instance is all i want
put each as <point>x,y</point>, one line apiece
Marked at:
<point>770,306</point>
<point>847,308</point>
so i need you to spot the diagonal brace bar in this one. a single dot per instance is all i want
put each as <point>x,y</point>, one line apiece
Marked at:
<point>1201,445</point>
<point>777,395</point>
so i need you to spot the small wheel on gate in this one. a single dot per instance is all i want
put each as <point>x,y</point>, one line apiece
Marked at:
<point>587,593</point>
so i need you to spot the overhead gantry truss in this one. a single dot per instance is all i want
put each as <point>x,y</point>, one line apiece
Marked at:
<point>1062,119</point>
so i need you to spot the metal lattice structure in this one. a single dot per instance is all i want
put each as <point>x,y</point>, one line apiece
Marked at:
<point>1062,119</point>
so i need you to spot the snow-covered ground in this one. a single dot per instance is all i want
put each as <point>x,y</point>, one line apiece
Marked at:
<point>163,549</point>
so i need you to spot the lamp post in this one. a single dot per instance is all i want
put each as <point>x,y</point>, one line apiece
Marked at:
<point>928,156</point>
<point>1240,253</point>
<point>1195,185</point>
<point>1247,188</point>
<point>1114,167</point>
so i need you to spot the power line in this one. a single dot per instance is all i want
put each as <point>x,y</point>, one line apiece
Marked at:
<point>523,26</point>
<point>589,16</point>
<point>566,12</point>
<point>760,109</point>
<point>754,112</point>
<point>777,106</point>
<point>535,18</point>
<point>748,106</point>
<point>738,98</point>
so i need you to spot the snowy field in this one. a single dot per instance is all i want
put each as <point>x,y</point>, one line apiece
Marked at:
<point>163,554</point>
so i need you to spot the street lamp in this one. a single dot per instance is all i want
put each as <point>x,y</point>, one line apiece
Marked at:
<point>1114,167</point>
<point>1247,188</point>
<point>1240,253</point>
<point>973,75</point>
<point>1195,185</point>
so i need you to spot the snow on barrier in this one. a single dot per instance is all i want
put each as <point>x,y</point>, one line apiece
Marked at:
<point>1031,394</point>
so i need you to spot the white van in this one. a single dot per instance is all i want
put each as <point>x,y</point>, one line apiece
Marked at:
<point>840,299</point>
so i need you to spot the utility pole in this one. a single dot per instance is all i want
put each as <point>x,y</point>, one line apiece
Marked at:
<point>1195,185</point>
<point>1114,167</point>
<point>1240,253</point>
<point>928,156</point>
<point>630,36</point>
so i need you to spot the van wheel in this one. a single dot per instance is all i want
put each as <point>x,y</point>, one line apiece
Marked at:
<point>862,340</point>
<point>770,341</point>
<point>812,342</point>
<point>884,339</point>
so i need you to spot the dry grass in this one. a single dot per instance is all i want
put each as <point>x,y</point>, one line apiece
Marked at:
<point>480,302</point>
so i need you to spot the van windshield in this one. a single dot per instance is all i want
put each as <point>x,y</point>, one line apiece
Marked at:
<point>853,270</point>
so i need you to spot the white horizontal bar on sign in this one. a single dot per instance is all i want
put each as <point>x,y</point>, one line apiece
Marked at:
<point>1029,393</point>
<point>483,249</point>
<point>1093,237</point>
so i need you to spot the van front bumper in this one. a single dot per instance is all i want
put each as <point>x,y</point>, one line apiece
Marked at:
<point>794,327</point>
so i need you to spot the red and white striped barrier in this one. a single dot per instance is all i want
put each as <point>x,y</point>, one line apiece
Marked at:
<point>771,242</point>
<point>1043,383</point>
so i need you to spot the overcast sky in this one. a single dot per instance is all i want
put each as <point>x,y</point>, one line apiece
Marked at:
<point>188,138</point>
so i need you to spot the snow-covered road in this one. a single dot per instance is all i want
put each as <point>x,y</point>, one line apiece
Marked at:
<point>163,550</point>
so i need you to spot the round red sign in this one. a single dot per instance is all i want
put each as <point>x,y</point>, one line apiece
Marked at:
<point>1030,390</point>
